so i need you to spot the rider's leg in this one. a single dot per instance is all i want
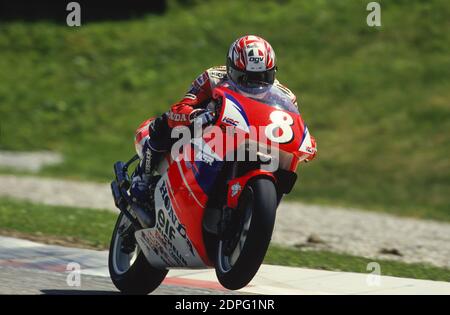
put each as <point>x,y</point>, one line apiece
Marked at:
<point>155,144</point>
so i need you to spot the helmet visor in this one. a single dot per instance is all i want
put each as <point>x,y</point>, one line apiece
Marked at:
<point>255,79</point>
<point>252,80</point>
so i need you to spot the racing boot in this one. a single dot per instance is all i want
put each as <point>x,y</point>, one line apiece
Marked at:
<point>140,181</point>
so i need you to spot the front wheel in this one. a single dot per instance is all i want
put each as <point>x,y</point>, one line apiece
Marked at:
<point>129,269</point>
<point>240,256</point>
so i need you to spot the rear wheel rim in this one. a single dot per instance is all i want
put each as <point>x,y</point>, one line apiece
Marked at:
<point>227,261</point>
<point>122,261</point>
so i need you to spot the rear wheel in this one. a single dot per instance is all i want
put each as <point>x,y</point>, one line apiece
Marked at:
<point>129,269</point>
<point>240,255</point>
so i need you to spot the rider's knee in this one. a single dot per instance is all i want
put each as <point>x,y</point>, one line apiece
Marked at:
<point>156,132</point>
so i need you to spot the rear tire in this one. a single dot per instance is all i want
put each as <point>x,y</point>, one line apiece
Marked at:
<point>131,273</point>
<point>235,268</point>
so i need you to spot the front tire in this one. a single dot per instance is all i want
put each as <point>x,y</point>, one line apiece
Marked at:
<point>240,256</point>
<point>129,270</point>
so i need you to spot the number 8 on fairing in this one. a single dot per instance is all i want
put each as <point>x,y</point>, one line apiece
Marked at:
<point>283,121</point>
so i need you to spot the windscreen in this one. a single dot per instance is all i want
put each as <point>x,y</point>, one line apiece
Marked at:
<point>272,96</point>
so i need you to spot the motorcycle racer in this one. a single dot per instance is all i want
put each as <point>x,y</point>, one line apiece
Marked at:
<point>250,67</point>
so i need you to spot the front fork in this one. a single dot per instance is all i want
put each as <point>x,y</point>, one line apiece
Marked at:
<point>218,219</point>
<point>139,217</point>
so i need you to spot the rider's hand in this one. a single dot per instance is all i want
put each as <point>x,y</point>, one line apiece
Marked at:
<point>201,116</point>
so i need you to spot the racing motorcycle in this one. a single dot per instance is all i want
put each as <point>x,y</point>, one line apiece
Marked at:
<point>207,208</point>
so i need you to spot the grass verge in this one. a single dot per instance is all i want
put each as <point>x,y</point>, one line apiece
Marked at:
<point>342,262</point>
<point>74,226</point>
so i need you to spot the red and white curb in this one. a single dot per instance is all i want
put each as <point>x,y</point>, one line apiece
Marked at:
<point>20,253</point>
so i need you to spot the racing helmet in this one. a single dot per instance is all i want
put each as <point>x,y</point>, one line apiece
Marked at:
<point>251,64</point>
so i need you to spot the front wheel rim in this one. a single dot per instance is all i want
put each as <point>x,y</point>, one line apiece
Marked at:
<point>122,261</point>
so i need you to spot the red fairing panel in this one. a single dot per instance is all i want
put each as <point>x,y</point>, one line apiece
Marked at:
<point>189,202</point>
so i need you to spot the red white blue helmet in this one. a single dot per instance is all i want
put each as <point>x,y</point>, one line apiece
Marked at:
<point>251,63</point>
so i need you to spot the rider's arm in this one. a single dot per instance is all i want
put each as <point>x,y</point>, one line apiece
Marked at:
<point>198,93</point>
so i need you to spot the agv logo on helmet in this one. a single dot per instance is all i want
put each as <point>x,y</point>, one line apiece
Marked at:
<point>253,58</point>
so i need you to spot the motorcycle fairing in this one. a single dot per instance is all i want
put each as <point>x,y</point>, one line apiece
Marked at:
<point>181,195</point>
<point>306,146</point>
<point>236,185</point>
<point>233,114</point>
<point>168,244</point>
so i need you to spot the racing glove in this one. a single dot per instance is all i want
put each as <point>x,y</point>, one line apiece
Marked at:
<point>201,116</point>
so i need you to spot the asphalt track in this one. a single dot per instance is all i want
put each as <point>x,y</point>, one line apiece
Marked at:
<point>31,268</point>
<point>32,281</point>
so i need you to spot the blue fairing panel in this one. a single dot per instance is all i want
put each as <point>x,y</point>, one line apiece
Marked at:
<point>205,173</point>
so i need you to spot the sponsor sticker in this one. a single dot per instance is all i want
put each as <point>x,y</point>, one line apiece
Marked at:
<point>235,189</point>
